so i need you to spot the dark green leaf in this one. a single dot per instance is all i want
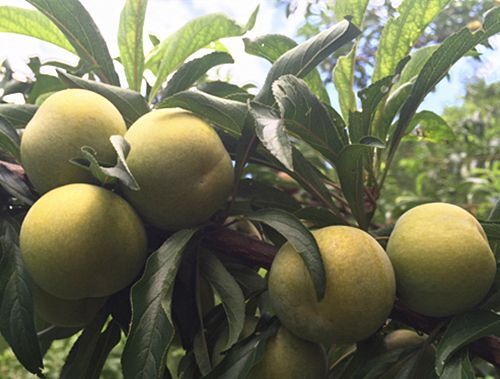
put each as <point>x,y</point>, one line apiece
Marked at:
<point>16,308</point>
<point>44,86</point>
<point>9,139</point>
<point>300,238</point>
<point>229,115</point>
<point>459,367</point>
<point>393,105</point>
<point>229,292</point>
<point>196,34</point>
<point>400,33</point>
<point>17,114</point>
<point>372,141</point>
<point>262,195</point>
<point>240,359</point>
<point>88,355</point>
<point>464,329</point>
<point>32,23</point>
<point>321,217</point>
<point>77,25</point>
<point>131,104</point>
<point>15,185</point>
<point>306,117</point>
<point>107,175</point>
<point>273,46</point>
<point>152,328</point>
<point>225,90</point>
<point>303,58</point>
<point>417,61</point>
<point>192,71</point>
<point>492,229</point>
<point>130,41</point>
<point>350,170</point>
<point>436,67</point>
<point>270,129</point>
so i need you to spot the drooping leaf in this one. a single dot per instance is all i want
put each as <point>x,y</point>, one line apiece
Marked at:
<point>77,25</point>
<point>459,367</point>
<point>17,114</point>
<point>270,129</point>
<point>9,139</point>
<point>130,103</point>
<point>400,34</point>
<point>240,359</point>
<point>16,307</point>
<point>34,24</point>
<point>303,58</point>
<point>229,292</point>
<point>130,41</point>
<point>152,328</point>
<point>229,115</point>
<point>429,126</point>
<point>14,184</point>
<point>196,34</point>
<point>273,46</point>
<point>108,175</point>
<point>88,355</point>
<point>436,67</point>
<point>300,238</point>
<point>350,170</point>
<point>464,329</point>
<point>192,71</point>
<point>306,117</point>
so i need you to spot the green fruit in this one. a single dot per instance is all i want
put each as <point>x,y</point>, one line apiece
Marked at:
<point>403,338</point>
<point>441,258</point>
<point>184,172</point>
<point>63,312</point>
<point>287,356</point>
<point>360,288</point>
<point>80,241</point>
<point>65,122</point>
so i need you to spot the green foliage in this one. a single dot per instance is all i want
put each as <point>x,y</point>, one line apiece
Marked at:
<point>299,164</point>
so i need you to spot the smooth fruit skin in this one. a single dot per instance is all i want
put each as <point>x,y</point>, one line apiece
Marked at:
<point>287,356</point>
<point>63,312</point>
<point>65,122</point>
<point>442,260</point>
<point>360,288</point>
<point>81,241</point>
<point>184,172</point>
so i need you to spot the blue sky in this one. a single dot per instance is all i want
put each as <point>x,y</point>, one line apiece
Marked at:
<point>165,16</point>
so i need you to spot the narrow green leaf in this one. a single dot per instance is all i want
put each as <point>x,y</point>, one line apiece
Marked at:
<point>417,61</point>
<point>196,34</point>
<point>306,117</point>
<point>464,329</point>
<point>343,79</point>
<point>130,44</point>
<point>273,46</point>
<point>300,238</point>
<point>229,293</point>
<point>88,355</point>
<point>263,195</point>
<point>350,171</point>
<point>436,67</point>
<point>354,8</point>
<point>44,86</point>
<point>190,72</point>
<point>400,34</point>
<point>229,115</point>
<point>107,175</point>
<point>430,127</point>
<point>14,183</point>
<point>131,104</point>
<point>77,25</point>
<point>270,129</point>
<point>17,114</point>
<point>34,24</point>
<point>152,327</point>
<point>225,90</point>
<point>16,307</point>
<point>320,216</point>
<point>240,359</point>
<point>9,139</point>
<point>459,367</point>
<point>303,58</point>
<point>393,105</point>
<point>492,229</point>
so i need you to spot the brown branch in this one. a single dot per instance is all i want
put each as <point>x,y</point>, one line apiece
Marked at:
<point>255,252</point>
